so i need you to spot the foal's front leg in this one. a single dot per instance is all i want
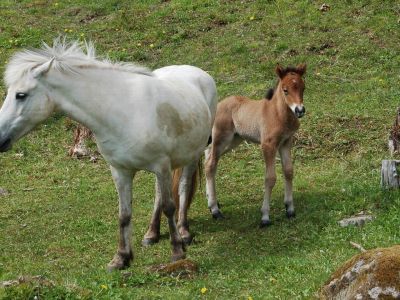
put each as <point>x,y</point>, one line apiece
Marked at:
<point>123,182</point>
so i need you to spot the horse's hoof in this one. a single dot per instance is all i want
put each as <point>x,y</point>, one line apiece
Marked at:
<point>265,223</point>
<point>290,214</point>
<point>175,258</point>
<point>218,216</point>
<point>187,241</point>
<point>149,242</point>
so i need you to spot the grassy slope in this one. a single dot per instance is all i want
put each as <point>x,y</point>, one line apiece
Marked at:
<point>66,228</point>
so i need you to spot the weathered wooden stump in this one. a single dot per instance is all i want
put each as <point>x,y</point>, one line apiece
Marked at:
<point>389,172</point>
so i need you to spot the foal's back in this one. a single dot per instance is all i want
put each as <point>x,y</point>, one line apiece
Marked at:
<point>242,116</point>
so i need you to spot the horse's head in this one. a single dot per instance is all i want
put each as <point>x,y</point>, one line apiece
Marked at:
<point>291,86</point>
<point>26,105</point>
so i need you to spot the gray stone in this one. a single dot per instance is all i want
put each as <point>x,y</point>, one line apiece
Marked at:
<point>356,221</point>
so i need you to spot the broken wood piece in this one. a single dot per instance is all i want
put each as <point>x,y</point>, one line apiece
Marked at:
<point>394,136</point>
<point>357,246</point>
<point>81,136</point>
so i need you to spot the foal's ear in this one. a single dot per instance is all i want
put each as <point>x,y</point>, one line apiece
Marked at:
<point>280,72</point>
<point>301,69</point>
<point>43,69</point>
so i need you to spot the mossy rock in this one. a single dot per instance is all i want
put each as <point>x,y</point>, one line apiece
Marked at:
<point>180,267</point>
<point>374,274</point>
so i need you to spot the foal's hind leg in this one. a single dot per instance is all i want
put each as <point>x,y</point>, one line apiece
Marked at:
<point>123,182</point>
<point>220,145</point>
<point>185,187</point>
<point>287,168</point>
<point>269,152</point>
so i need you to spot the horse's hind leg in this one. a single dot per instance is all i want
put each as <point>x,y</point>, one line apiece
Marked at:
<point>123,182</point>
<point>186,184</point>
<point>152,235</point>
<point>287,168</point>
<point>221,144</point>
<point>164,180</point>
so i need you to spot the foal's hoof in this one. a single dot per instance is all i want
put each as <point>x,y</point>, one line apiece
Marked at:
<point>265,223</point>
<point>111,268</point>
<point>290,214</point>
<point>218,216</point>
<point>120,261</point>
<point>149,242</point>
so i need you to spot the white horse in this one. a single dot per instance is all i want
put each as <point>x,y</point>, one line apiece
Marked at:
<point>156,121</point>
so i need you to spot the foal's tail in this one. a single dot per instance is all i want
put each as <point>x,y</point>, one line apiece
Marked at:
<point>176,176</point>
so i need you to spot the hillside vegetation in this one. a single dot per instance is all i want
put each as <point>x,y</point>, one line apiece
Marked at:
<point>59,217</point>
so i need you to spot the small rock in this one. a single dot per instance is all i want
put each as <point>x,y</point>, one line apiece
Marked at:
<point>8,283</point>
<point>356,220</point>
<point>3,192</point>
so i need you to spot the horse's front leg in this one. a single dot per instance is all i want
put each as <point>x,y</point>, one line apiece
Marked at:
<point>152,235</point>
<point>187,184</point>
<point>123,182</point>
<point>269,153</point>
<point>287,168</point>
<point>164,181</point>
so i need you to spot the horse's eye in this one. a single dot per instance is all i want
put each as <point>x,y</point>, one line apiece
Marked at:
<point>285,91</point>
<point>21,96</point>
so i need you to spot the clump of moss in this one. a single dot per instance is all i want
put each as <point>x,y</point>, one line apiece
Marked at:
<point>374,274</point>
<point>178,268</point>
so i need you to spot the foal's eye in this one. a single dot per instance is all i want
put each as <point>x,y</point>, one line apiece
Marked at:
<point>285,91</point>
<point>21,96</point>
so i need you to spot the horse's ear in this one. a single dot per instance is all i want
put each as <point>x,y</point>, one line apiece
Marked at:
<point>43,69</point>
<point>280,72</point>
<point>301,69</point>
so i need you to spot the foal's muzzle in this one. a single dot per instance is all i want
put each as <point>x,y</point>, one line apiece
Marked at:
<point>299,112</point>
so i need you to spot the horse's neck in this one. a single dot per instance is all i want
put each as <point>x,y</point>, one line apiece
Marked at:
<point>84,103</point>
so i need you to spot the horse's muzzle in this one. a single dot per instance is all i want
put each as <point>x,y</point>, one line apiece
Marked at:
<point>7,145</point>
<point>299,112</point>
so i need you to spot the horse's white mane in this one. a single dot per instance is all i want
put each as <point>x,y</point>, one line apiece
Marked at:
<point>69,57</point>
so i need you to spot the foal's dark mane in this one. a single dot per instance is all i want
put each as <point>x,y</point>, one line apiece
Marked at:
<point>270,92</point>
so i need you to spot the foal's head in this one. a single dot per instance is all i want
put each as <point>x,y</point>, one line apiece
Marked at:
<point>291,87</point>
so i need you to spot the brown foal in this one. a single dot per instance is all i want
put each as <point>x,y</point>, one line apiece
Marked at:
<point>271,123</point>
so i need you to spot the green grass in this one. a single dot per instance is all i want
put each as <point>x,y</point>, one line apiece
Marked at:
<point>59,218</point>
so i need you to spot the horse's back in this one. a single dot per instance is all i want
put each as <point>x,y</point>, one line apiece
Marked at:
<point>194,77</point>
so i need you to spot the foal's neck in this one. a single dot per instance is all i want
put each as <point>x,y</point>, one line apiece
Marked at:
<point>284,112</point>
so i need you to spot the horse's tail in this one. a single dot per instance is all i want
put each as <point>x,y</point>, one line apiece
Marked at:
<point>176,176</point>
